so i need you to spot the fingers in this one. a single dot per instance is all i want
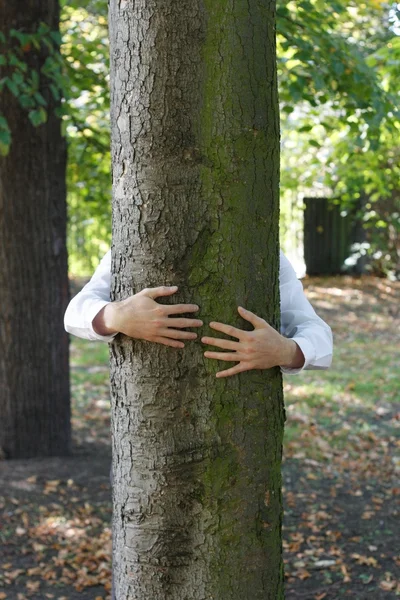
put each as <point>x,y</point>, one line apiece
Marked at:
<point>220,343</point>
<point>163,290</point>
<point>251,317</point>
<point>228,329</point>
<point>176,334</point>
<point>168,342</point>
<point>183,322</point>
<point>180,309</point>
<point>229,356</point>
<point>232,371</point>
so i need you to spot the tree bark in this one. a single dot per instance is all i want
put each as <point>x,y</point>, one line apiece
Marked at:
<point>34,377</point>
<point>195,146</point>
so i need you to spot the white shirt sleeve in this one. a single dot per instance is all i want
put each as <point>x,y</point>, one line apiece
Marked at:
<point>83,308</point>
<point>300,322</point>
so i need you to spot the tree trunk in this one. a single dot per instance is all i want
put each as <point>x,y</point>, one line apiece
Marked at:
<point>34,378</point>
<point>195,144</point>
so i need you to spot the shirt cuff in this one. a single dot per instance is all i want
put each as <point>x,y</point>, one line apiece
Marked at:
<point>308,351</point>
<point>95,308</point>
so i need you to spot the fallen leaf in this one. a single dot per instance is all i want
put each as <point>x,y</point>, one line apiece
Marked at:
<point>32,586</point>
<point>387,586</point>
<point>365,560</point>
<point>303,574</point>
<point>345,573</point>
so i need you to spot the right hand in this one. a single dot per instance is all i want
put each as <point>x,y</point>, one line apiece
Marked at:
<point>142,318</point>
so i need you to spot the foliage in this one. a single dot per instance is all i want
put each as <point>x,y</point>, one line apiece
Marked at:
<point>327,86</point>
<point>322,50</point>
<point>27,83</point>
<point>338,66</point>
<point>85,48</point>
<point>375,174</point>
<point>340,135</point>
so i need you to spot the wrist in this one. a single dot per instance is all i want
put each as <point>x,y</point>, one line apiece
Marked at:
<point>105,322</point>
<point>292,357</point>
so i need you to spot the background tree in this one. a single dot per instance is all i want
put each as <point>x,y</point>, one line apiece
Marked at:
<point>196,460</point>
<point>34,380</point>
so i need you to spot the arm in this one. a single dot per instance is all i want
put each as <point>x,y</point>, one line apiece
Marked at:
<point>92,316</point>
<point>300,323</point>
<point>84,307</point>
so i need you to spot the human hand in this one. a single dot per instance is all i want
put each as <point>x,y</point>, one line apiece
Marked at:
<point>141,317</point>
<point>261,348</point>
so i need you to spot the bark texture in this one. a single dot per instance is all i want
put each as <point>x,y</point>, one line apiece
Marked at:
<point>34,379</point>
<point>195,143</point>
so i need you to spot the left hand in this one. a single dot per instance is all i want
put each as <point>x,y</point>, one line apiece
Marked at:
<point>261,348</point>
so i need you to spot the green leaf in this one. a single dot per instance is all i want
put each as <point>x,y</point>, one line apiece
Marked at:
<point>39,99</point>
<point>56,37</point>
<point>305,128</point>
<point>38,117</point>
<point>13,59</point>
<point>5,136</point>
<point>12,86</point>
<point>35,79</point>
<point>43,28</point>
<point>17,78</point>
<point>26,101</point>
<point>54,91</point>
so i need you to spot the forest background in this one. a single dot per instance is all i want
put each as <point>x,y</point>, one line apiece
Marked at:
<point>338,68</point>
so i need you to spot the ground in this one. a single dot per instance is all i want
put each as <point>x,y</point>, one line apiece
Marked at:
<point>340,472</point>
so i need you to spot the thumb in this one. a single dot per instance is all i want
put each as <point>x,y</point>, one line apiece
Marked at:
<point>256,321</point>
